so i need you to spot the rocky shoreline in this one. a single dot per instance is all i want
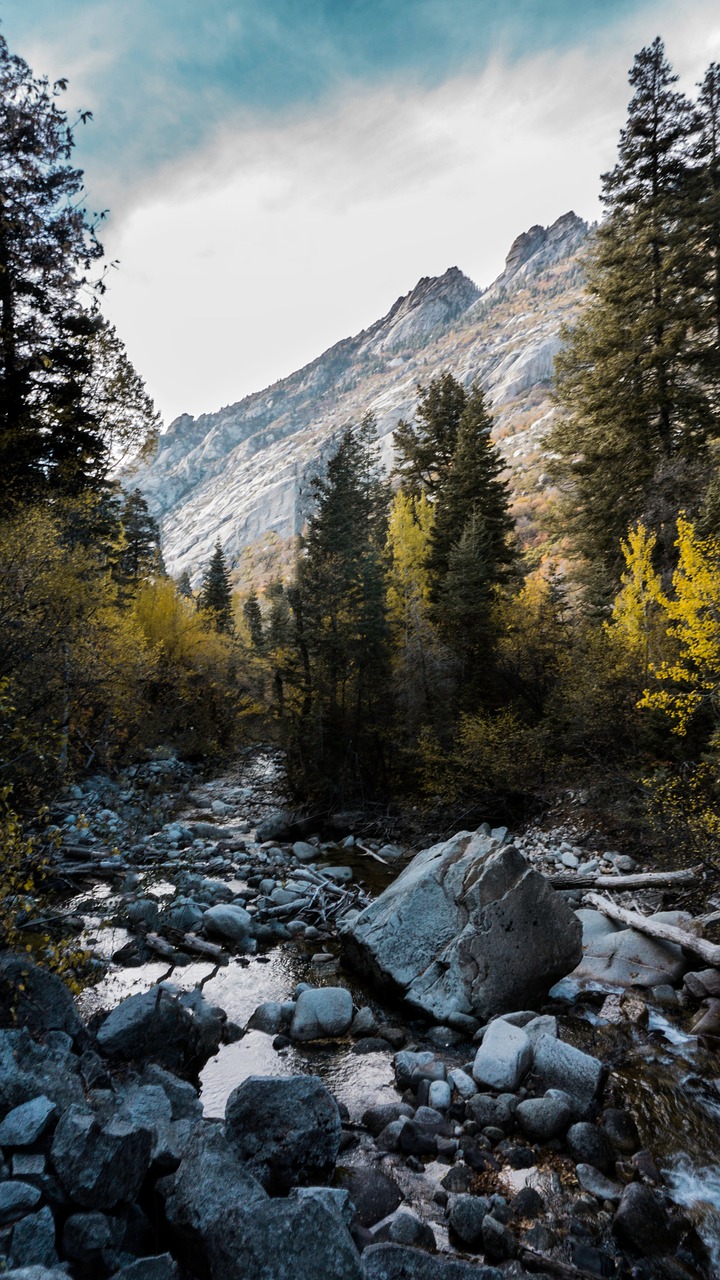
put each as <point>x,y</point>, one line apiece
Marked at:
<point>501,1145</point>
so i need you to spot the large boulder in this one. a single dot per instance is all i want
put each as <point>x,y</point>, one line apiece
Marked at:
<point>623,957</point>
<point>100,1165</point>
<point>178,1031</point>
<point>320,1012</point>
<point>468,927</point>
<point>285,1130</point>
<point>37,999</point>
<point>283,1240</point>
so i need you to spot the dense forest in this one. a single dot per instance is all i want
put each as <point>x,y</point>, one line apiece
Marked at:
<point>417,654</point>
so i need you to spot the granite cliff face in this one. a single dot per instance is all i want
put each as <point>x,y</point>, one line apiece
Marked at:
<point>240,472</point>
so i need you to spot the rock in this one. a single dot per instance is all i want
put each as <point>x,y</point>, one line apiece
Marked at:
<point>588,1144</point>
<point>16,1199</point>
<point>228,922</point>
<point>406,1228</point>
<point>148,1107</point>
<point>707,1022</point>
<point>595,1182</point>
<point>499,1244</point>
<point>486,1110</point>
<point>467,927</point>
<point>36,1273</point>
<point>389,1138</point>
<point>624,957</point>
<point>364,1023</point>
<point>34,998</point>
<point>25,1124</point>
<point>462,1083</point>
<point>465,1220</point>
<point>391,853</point>
<point>275,827</point>
<point>100,1165</point>
<point>207,1188</point>
<point>341,875</point>
<point>527,1204</point>
<point>283,1240</point>
<point>562,1066</point>
<point>440,1095</point>
<point>398,1262</point>
<point>178,1031</point>
<point>305,852</point>
<point>86,1235</point>
<point>334,1198</point>
<point>375,1119</point>
<point>702,983</point>
<point>320,1012</point>
<point>268,1017</point>
<point>642,1223</point>
<point>29,1069</point>
<point>370,1044</point>
<point>162,1267</point>
<point>285,1131</point>
<point>504,1057</point>
<point>406,1062</point>
<point>373,1193</point>
<point>621,1130</point>
<point>543,1118</point>
<point>183,1098</point>
<point>33,1241</point>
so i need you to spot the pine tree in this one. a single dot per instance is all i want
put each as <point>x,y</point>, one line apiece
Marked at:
<point>632,374</point>
<point>341,619</point>
<point>66,386</point>
<point>425,448</point>
<point>708,158</point>
<point>472,499</point>
<point>215,596</point>
<point>253,618</point>
<point>141,555</point>
<point>184,585</point>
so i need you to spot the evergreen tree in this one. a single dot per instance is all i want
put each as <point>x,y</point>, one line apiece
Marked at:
<point>708,246</point>
<point>215,596</point>
<point>141,556</point>
<point>184,585</point>
<point>253,618</point>
<point>56,352</point>
<point>633,374</point>
<point>342,623</point>
<point>425,448</point>
<point>472,498</point>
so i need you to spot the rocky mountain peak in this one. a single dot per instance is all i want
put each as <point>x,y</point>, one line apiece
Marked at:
<point>540,245</point>
<point>434,301</point>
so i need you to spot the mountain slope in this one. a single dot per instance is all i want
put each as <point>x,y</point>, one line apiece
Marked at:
<point>240,472</point>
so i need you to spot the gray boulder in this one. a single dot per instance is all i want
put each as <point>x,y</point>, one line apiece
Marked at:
<point>25,1124</point>
<point>468,927</point>
<point>561,1066</point>
<point>624,957</point>
<point>286,1239</point>
<point>276,826</point>
<point>268,1017</point>
<point>17,1199</point>
<point>161,1267</point>
<point>100,1165</point>
<point>398,1262</point>
<point>207,1188</point>
<point>504,1057</point>
<point>285,1130</point>
<point>228,922</point>
<point>37,999</point>
<point>543,1118</point>
<point>33,1241</point>
<point>28,1069</point>
<point>322,1011</point>
<point>179,1031</point>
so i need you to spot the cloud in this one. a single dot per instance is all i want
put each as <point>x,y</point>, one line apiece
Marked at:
<point>279,174</point>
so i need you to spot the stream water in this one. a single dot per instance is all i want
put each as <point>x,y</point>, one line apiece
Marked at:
<point>669,1079</point>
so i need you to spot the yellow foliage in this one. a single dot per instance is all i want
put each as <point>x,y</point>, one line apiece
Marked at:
<point>409,529</point>
<point>692,679</point>
<point>640,606</point>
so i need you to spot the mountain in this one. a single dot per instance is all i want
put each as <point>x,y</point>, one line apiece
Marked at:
<point>241,472</point>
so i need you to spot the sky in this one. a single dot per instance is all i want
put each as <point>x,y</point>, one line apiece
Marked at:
<point>278,172</point>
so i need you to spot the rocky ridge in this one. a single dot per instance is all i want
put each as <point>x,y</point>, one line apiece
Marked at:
<point>242,471</point>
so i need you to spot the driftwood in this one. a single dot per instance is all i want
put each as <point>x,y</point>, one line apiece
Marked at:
<point>160,946</point>
<point>709,952</point>
<point>201,947</point>
<point>553,1266</point>
<point>641,880</point>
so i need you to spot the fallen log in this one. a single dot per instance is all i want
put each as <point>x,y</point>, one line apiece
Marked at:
<point>160,946</point>
<point>639,880</point>
<point>709,952</point>
<point>201,947</point>
<point>552,1266</point>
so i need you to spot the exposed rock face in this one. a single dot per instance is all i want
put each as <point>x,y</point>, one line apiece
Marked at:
<point>242,471</point>
<point>468,928</point>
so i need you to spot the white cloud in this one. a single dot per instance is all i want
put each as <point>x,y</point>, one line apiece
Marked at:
<point>245,261</point>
